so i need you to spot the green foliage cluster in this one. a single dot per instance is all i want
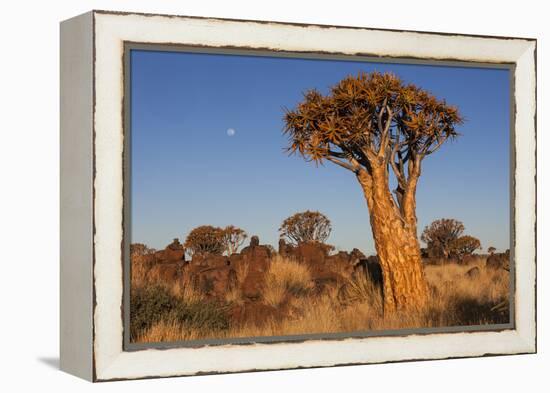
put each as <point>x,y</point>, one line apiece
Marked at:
<point>150,304</point>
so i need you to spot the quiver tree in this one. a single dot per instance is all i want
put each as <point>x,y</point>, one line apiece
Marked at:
<point>205,239</point>
<point>440,235</point>
<point>306,226</point>
<point>464,245</point>
<point>373,125</point>
<point>233,239</point>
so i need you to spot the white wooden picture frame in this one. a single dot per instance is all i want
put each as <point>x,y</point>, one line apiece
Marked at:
<point>92,193</point>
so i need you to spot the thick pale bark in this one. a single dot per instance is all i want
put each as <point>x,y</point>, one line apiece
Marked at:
<point>396,244</point>
<point>409,203</point>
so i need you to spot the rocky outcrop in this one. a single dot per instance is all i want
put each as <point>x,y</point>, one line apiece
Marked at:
<point>498,261</point>
<point>210,260</point>
<point>311,253</point>
<point>166,271</point>
<point>216,275</point>
<point>370,267</point>
<point>213,281</point>
<point>257,259</point>
<point>174,252</point>
<point>284,248</point>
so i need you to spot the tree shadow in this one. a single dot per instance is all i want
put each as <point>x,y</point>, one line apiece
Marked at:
<point>472,311</point>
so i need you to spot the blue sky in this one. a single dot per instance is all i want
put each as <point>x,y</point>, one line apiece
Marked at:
<point>187,171</point>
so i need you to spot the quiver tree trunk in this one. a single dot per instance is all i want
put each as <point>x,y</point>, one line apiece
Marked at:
<point>405,287</point>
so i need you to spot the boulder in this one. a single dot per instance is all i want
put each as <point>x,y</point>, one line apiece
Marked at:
<point>285,249</point>
<point>312,253</point>
<point>174,252</point>
<point>498,261</point>
<point>257,257</point>
<point>166,272</point>
<point>473,272</point>
<point>341,263</point>
<point>357,255</point>
<point>254,250</point>
<point>254,241</point>
<point>210,260</point>
<point>213,281</point>
<point>147,260</point>
<point>175,245</point>
<point>169,255</point>
<point>371,268</point>
<point>253,285</point>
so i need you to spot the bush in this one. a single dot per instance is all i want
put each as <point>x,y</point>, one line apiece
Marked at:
<point>151,304</point>
<point>205,239</point>
<point>147,306</point>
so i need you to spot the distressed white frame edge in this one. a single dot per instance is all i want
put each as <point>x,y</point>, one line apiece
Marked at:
<point>76,178</point>
<point>111,30</point>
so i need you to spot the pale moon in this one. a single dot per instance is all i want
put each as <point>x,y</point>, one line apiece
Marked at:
<point>230,132</point>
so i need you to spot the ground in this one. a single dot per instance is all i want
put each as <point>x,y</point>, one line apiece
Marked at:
<point>260,292</point>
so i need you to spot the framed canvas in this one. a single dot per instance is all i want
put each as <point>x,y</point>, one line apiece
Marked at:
<point>247,195</point>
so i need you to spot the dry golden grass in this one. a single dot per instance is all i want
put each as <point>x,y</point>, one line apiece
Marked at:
<point>456,299</point>
<point>142,275</point>
<point>168,330</point>
<point>242,271</point>
<point>286,278</point>
<point>139,273</point>
<point>186,290</point>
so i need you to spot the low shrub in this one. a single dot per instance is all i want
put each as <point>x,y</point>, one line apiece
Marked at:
<point>151,304</point>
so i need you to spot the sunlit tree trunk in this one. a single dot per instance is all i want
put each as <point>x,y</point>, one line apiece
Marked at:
<point>368,124</point>
<point>396,243</point>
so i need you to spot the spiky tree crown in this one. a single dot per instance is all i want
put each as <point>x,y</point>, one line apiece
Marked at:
<point>371,116</point>
<point>306,226</point>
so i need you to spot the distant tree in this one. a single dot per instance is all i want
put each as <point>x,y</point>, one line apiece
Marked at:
<point>205,239</point>
<point>233,238</point>
<point>137,249</point>
<point>440,235</point>
<point>376,126</point>
<point>491,250</point>
<point>305,227</point>
<point>463,246</point>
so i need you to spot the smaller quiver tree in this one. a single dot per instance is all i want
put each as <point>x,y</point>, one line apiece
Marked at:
<point>308,226</point>
<point>205,239</point>
<point>464,246</point>
<point>233,239</point>
<point>440,235</point>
